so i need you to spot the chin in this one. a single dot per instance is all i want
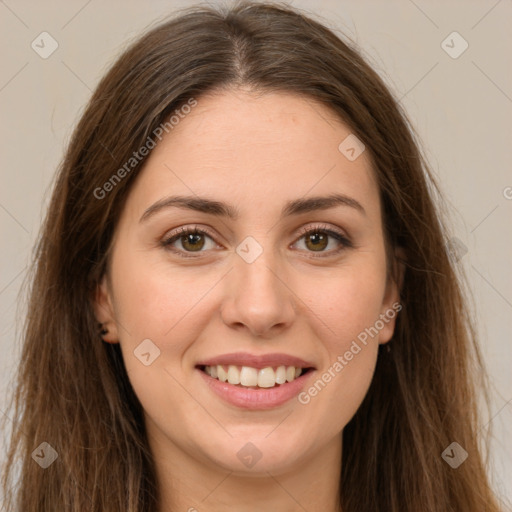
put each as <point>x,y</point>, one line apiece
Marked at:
<point>259,453</point>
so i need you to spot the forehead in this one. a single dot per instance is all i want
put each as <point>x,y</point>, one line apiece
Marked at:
<point>252,148</point>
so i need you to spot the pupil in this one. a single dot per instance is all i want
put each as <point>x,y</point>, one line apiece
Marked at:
<point>317,240</point>
<point>191,240</point>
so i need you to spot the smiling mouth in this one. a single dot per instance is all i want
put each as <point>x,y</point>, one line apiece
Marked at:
<point>254,378</point>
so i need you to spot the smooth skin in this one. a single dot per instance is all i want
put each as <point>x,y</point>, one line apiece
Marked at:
<point>255,152</point>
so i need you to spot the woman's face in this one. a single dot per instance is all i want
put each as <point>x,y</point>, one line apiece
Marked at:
<point>253,292</point>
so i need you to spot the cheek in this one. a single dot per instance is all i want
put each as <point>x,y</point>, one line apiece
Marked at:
<point>348,301</point>
<point>154,301</point>
<point>344,310</point>
<point>157,300</point>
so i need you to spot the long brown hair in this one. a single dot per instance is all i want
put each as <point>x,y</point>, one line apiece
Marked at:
<point>72,389</point>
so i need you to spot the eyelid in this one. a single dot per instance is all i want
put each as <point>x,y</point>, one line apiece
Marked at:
<point>174,235</point>
<point>323,228</point>
<point>336,233</point>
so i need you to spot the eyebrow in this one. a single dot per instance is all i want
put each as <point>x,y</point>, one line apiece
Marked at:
<point>220,209</point>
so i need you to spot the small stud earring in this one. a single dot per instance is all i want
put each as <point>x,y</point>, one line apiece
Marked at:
<point>103,330</point>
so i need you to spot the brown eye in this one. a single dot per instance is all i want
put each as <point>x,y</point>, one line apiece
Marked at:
<point>318,238</point>
<point>317,241</point>
<point>191,241</point>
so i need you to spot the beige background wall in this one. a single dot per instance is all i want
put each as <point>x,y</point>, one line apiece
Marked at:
<point>461,107</point>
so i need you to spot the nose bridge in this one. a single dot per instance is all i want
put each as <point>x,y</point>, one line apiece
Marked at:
<point>258,277</point>
<point>258,297</point>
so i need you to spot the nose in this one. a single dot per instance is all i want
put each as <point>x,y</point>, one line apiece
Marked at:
<point>257,298</point>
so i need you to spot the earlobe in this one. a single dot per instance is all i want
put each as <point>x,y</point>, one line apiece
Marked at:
<point>104,312</point>
<point>391,304</point>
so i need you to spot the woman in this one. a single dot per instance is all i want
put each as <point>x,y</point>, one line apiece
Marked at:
<point>242,297</point>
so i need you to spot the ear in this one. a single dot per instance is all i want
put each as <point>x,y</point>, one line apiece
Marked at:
<point>391,302</point>
<point>104,311</point>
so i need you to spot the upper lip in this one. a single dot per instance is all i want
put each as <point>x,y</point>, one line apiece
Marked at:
<point>256,361</point>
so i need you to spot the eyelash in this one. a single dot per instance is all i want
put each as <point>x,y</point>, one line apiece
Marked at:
<point>344,241</point>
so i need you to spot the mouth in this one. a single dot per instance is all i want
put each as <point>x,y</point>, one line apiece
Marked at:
<point>255,389</point>
<point>254,378</point>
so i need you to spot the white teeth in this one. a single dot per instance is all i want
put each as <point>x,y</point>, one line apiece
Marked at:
<point>266,378</point>
<point>281,375</point>
<point>248,376</point>
<point>252,377</point>
<point>233,375</point>
<point>221,374</point>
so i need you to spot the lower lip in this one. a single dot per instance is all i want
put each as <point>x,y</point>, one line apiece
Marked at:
<point>256,399</point>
